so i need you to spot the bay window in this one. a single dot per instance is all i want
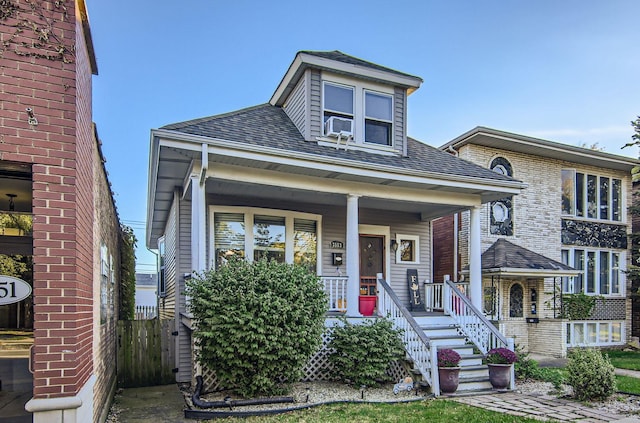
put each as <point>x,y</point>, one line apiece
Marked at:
<point>591,196</point>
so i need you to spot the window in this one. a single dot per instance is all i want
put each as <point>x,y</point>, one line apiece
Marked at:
<point>305,243</point>
<point>269,238</point>
<point>368,105</point>
<point>283,236</point>
<point>104,283</point>
<point>229,236</point>
<point>600,272</point>
<point>378,118</point>
<point>338,101</point>
<point>501,211</point>
<point>516,297</point>
<point>408,249</point>
<point>592,334</point>
<point>591,196</point>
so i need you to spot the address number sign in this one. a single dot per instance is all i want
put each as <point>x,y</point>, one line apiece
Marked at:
<point>13,290</point>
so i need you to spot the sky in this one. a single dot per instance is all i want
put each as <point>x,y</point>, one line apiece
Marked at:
<point>562,70</point>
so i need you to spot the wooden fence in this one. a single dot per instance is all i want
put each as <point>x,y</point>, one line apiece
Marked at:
<point>146,353</point>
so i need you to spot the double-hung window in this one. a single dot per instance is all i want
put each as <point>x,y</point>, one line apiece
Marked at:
<point>368,106</point>
<point>591,196</point>
<point>378,109</point>
<point>600,272</point>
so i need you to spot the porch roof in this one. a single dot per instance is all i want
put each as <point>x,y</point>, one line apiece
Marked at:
<point>506,259</point>
<point>258,151</point>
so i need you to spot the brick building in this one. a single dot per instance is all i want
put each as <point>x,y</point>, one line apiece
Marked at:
<point>66,242</point>
<point>565,234</point>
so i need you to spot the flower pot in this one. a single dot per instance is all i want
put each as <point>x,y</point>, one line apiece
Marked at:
<point>500,375</point>
<point>367,303</point>
<point>449,379</point>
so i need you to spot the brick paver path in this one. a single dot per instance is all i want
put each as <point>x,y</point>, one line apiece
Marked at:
<point>541,408</point>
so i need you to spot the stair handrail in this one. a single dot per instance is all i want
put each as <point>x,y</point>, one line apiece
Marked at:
<point>471,321</point>
<point>416,342</point>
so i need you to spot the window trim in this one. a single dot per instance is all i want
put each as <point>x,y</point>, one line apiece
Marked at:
<point>416,243</point>
<point>162,267</point>
<point>249,213</point>
<point>570,333</point>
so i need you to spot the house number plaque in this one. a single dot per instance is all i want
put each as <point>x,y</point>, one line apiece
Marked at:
<point>337,244</point>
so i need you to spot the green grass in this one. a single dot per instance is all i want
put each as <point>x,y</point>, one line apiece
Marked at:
<point>625,359</point>
<point>628,384</point>
<point>430,410</point>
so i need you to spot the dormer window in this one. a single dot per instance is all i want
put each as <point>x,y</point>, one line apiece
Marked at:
<point>358,112</point>
<point>378,109</point>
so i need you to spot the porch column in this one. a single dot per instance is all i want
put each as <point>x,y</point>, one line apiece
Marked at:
<point>353,257</point>
<point>198,224</point>
<point>475,259</point>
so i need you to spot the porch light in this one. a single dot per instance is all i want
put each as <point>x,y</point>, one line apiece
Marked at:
<point>394,245</point>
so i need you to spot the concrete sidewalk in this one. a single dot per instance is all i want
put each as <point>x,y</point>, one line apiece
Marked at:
<point>154,404</point>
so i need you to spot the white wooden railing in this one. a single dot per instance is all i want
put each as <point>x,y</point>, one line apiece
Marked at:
<point>336,289</point>
<point>433,298</point>
<point>416,343</point>
<point>475,326</point>
<point>146,312</point>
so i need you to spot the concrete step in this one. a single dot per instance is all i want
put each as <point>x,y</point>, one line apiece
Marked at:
<point>473,383</point>
<point>474,371</point>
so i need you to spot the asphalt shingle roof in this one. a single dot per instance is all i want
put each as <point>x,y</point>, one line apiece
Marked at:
<point>504,254</point>
<point>345,58</point>
<point>269,126</point>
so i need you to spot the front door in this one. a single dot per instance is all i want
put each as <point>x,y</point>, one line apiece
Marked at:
<point>371,262</point>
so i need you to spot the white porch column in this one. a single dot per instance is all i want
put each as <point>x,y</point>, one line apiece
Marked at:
<point>353,257</point>
<point>198,224</point>
<point>475,259</point>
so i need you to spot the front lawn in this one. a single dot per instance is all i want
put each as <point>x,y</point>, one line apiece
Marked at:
<point>630,385</point>
<point>418,412</point>
<point>624,359</point>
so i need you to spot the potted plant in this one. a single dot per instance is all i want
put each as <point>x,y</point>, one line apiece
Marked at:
<point>448,370</point>
<point>500,361</point>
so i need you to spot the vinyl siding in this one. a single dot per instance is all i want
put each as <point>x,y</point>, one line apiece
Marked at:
<point>183,343</point>
<point>315,104</point>
<point>399,121</point>
<point>296,106</point>
<point>168,303</point>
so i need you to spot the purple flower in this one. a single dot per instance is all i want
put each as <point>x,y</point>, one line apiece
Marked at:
<point>448,358</point>
<point>501,356</point>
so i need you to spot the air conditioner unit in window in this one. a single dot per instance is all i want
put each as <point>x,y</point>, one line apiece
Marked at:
<point>335,126</point>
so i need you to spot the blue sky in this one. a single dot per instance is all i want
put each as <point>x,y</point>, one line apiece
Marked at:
<point>562,70</point>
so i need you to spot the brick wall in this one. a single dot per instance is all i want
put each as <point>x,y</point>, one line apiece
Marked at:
<point>60,151</point>
<point>537,217</point>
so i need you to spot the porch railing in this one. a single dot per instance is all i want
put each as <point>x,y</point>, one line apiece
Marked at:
<point>336,289</point>
<point>472,322</point>
<point>434,300</point>
<point>416,343</point>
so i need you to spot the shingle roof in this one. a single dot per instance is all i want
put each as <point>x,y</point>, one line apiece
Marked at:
<point>351,60</point>
<point>505,255</point>
<point>268,126</point>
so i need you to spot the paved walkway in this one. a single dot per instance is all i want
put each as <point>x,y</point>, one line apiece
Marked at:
<point>546,409</point>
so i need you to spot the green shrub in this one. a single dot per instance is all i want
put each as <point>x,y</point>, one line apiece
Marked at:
<point>525,367</point>
<point>361,353</point>
<point>590,374</point>
<point>257,323</point>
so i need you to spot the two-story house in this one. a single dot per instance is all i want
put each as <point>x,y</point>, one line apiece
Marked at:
<point>566,234</point>
<point>325,175</point>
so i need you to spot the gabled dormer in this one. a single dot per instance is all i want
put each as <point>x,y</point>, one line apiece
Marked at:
<point>341,101</point>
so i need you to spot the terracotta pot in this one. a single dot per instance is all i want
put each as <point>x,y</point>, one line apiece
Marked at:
<point>449,379</point>
<point>500,375</point>
<point>367,304</point>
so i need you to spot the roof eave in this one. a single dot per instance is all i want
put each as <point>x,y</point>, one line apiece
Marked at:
<point>518,272</point>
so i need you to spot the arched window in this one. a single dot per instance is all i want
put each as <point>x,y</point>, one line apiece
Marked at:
<point>501,211</point>
<point>516,296</point>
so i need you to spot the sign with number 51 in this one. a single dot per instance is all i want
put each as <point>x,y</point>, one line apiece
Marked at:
<point>13,290</point>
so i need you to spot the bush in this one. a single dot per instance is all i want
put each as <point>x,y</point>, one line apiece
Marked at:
<point>590,374</point>
<point>257,323</point>
<point>525,367</point>
<point>361,354</point>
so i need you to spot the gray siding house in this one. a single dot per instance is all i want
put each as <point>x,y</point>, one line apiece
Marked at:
<point>324,175</point>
